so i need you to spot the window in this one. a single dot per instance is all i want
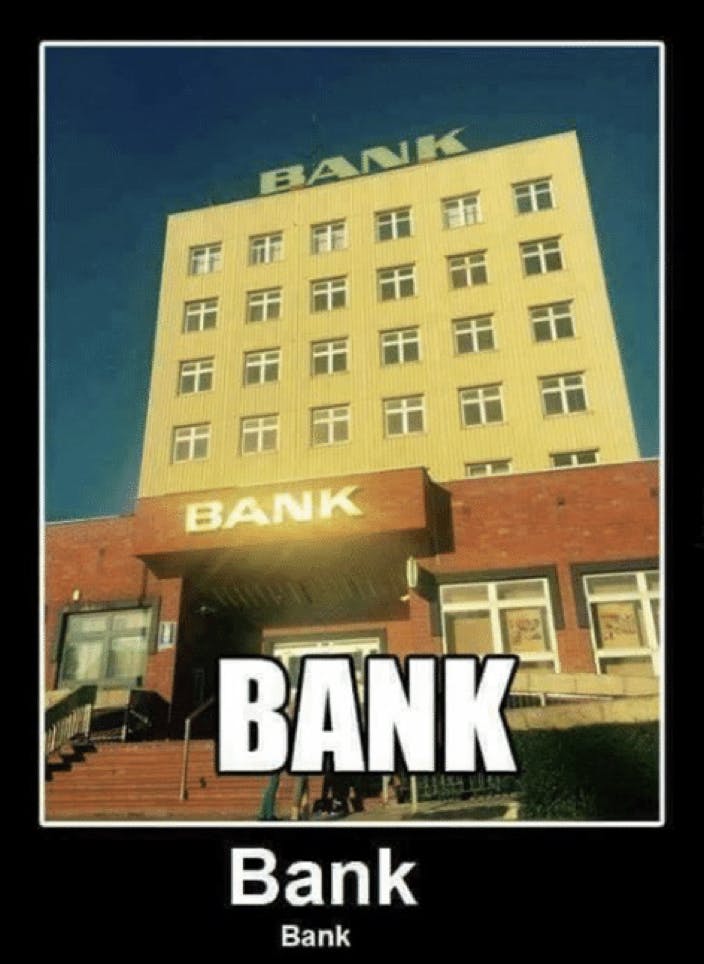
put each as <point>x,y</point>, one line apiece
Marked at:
<point>260,434</point>
<point>400,346</point>
<point>330,425</point>
<point>106,647</point>
<point>200,315</point>
<point>195,376</point>
<point>481,405</point>
<point>458,212</point>
<point>205,259</point>
<point>329,357</point>
<point>564,460</point>
<point>266,248</point>
<point>291,652</point>
<point>264,305</point>
<point>191,442</point>
<point>393,224</point>
<point>396,283</point>
<point>563,394</point>
<point>624,609</point>
<point>404,416</point>
<point>474,334</point>
<point>476,470</point>
<point>328,237</point>
<point>533,196</point>
<point>540,257</point>
<point>328,294</point>
<point>552,321</point>
<point>500,617</point>
<point>468,269</point>
<point>262,366</point>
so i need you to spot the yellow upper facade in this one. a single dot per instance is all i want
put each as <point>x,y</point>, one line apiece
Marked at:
<point>452,314</point>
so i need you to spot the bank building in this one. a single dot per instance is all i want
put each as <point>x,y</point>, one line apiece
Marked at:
<point>387,414</point>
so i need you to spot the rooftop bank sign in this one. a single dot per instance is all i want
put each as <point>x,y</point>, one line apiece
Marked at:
<point>428,148</point>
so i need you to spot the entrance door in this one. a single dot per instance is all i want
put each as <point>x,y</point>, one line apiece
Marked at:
<point>291,654</point>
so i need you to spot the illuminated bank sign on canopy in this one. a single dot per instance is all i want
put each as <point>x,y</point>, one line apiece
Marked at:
<point>281,507</point>
<point>427,148</point>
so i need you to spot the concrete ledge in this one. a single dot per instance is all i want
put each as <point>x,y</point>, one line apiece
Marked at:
<point>637,709</point>
<point>538,681</point>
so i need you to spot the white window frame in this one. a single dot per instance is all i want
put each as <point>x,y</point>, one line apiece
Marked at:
<point>205,258</point>
<point>486,394</point>
<point>286,650</point>
<point>564,392</point>
<point>201,370</point>
<point>645,597</point>
<point>268,300</point>
<point>328,350</point>
<point>533,191</point>
<point>398,221</point>
<point>400,339</point>
<point>405,407</point>
<point>191,435</point>
<point>395,279</point>
<point>201,312</point>
<point>551,317</point>
<point>266,248</point>
<point>260,362</point>
<point>461,211</point>
<point>330,417</point>
<point>495,606</point>
<point>471,269</point>
<point>331,236</point>
<point>544,250</point>
<point>574,458</point>
<point>327,291</point>
<point>471,329</point>
<point>493,467</point>
<point>259,427</point>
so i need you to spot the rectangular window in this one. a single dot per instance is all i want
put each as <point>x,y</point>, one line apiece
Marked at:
<point>265,248</point>
<point>551,322</point>
<point>330,425</point>
<point>393,224</point>
<point>107,647</point>
<point>259,434</point>
<point>400,346</point>
<point>565,460</point>
<point>190,442</point>
<point>328,293</point>
<point>533,196</point>
<point>481,405</point>
<point>262,366</point>
<point>328,237</point>
<point>195,376</point>
<point>264,305</point>
<point>563,394</point>
<point>624,613</point>
<point>394,283</point>
<point>329,357</point>
<point>404,416</point>
<point>458,212</point>
<point>205,259</point>
<point>477,470</point>
<point>539,257</point>
<point>200,315</point>
<point>468,269</point>
<point>511,617</point>
<point>474,334</point>
<point>291,653</point>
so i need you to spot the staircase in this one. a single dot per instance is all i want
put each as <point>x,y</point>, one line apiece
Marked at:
<point>140,781</point>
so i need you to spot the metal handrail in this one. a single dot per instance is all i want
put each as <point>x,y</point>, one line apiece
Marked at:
<point>183,794</point>
<point>68,718</point>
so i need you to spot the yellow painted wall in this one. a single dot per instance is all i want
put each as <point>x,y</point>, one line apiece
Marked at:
<point>527,437</point>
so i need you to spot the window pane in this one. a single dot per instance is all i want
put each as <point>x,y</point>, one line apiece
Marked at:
<point>469,633</point>
<point>542,330</point>
<point>461,594</point>
<point>485,340</point>
<point>618,625</point>
<point>524,630</point>
<point>493,411</point>
<point>82,661</point>
<point>133,619</point>
<point>528,589</point>
<point>553,403</point>
<point>576,401</point>
<point>126,657</point>
<point>652,580</point>
<point>607,585</point>
<point>84,625</point>
<point>394,423</point>
<point>415,421</point>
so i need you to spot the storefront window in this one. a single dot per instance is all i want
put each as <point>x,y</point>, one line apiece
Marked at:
<point>511,617</point>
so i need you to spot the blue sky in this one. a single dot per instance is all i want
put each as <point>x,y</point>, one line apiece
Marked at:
<point>134,133</point>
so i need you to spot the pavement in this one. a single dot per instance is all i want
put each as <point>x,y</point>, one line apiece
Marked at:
<point>499,807</point>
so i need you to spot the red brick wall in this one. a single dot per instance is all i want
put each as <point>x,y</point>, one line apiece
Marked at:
<point>96,557</point>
